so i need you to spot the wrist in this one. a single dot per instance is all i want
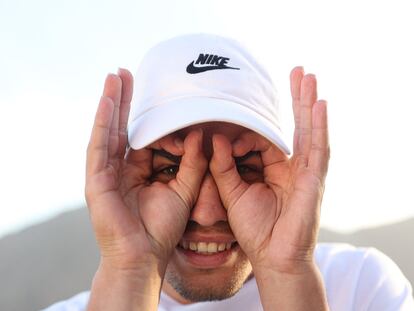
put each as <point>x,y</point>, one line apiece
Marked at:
<point>286,261</point>
<point>115,288</point>
<point>298,289</point>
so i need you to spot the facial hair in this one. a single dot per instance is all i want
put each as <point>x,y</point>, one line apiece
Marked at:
<point>193,291</point>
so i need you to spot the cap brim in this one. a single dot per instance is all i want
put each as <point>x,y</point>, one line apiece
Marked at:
<point>177,114</point>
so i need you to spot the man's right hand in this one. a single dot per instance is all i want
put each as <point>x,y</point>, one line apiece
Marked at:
<point>137,222</point>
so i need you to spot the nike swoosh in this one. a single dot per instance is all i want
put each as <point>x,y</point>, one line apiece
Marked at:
<point>193,69</point>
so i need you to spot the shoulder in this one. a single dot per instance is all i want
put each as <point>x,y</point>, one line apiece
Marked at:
<point>362,278</point>
<point>78,302</point>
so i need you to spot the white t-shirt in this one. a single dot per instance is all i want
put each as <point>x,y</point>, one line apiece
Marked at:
<point>362,279</point>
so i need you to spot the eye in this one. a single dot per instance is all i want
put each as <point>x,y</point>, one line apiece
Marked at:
<point>250,174</point>
<point>244,169</point>
<point>169,171</point>
<point>165,174</point>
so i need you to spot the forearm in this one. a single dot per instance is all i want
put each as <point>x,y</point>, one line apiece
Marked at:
<point>125,290</point>
<point>290,291</point>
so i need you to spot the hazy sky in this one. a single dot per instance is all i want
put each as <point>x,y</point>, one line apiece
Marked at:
<point>55,56</point>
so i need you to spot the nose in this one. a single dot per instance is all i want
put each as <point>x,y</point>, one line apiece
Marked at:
<point>208,208</point>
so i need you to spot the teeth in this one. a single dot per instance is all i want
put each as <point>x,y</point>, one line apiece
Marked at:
<point>212,247</point>
<point>193,246</point>
<point>201,247</point>
<point>205,247</point>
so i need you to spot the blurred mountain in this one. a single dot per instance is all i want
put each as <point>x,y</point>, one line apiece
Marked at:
<point>54,260</point>
<point>47,262</point>
<point>396,240</point>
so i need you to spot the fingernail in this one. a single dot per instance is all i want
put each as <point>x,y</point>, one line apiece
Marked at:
<point>236,143</point>
<point>179,142</point>
<point>214,143</point>
<point>120,69</point>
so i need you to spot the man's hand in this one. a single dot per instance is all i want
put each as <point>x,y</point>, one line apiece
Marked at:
<point>276,222</point>
<point>137,222</point>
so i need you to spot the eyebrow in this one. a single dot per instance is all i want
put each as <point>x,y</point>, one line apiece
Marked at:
<point>177,159</point>
<point>167,155</point>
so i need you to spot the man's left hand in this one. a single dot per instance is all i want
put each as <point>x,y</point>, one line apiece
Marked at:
<point>276,221</point>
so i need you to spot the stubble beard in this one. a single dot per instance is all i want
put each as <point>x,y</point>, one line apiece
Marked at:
<point>196,291</point>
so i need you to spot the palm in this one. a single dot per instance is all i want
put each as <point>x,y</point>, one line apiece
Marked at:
<point>126,216</point>
<point>160,212</point>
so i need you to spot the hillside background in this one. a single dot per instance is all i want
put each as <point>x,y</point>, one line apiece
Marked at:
<point>56,259</point>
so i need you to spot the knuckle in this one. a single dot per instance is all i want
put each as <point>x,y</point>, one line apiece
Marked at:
<point>195,166</point>
<point>319,148</point>
<point>305,131</point>
<point>220,169</point>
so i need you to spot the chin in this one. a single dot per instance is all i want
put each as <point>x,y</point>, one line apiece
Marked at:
<point>189,284</point>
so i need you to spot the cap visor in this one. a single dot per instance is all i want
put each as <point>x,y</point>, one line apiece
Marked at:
<point>177,114</point>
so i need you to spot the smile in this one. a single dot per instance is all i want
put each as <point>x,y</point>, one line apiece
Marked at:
<point>206,248</point>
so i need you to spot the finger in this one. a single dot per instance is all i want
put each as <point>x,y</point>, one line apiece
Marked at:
<point>224,171</point>
<point>125,105</point>
<point>296,77</point>
<point>192,169</point>
<point>308,97</point>
<point>97,153</point>
<point>171,143</point>
<point>251,141</point>
<point>141,161</point>
<point>274,160</point>
<point>319,154</point>
<point>139,168</point>
<point>113,89</point>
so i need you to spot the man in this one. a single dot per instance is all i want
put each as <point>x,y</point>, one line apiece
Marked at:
<point>203,209</point>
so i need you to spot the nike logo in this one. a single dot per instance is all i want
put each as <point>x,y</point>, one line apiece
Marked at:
<point>214,62</point>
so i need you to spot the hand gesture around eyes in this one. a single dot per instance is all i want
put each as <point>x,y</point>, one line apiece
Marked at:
<point>137,223</point>
<point>276,221</point>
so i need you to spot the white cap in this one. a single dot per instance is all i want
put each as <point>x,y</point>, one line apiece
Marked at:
<point>201,78</point>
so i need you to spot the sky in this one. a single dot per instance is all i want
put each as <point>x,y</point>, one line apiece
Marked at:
<point>55,56</point>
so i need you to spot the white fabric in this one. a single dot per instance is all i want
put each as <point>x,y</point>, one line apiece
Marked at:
<point>357,279</point>
<point>236,89</point>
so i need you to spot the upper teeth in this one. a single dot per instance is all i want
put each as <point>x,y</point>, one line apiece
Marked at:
<point>205,247</point>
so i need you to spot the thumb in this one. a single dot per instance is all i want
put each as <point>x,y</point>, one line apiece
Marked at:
<point>192,169</point>
<point>224,171</point>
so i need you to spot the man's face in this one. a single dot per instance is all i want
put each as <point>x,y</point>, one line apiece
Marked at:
<point>208,263</point>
